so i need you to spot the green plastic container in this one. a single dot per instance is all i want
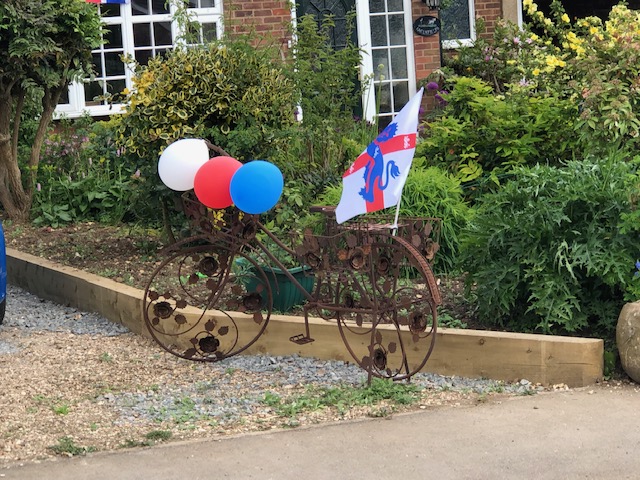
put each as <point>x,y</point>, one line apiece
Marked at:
<point>286,294</point>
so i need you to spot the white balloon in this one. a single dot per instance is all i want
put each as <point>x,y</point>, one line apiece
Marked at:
<point>180,161</point>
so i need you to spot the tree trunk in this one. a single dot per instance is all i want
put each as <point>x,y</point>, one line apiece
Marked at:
<point>15,198</point>
<point>12,196</point>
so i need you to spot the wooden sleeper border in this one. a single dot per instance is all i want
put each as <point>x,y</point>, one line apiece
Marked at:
<point>544,359</point>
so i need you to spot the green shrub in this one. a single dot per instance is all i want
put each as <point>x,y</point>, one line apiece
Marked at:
<point>545,252</point>
<point>481,136</point>
<point>429,192</point>
<point>83,177</point>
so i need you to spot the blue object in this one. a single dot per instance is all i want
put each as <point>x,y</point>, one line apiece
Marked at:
<point>256,187</point>
<point>3,274</point>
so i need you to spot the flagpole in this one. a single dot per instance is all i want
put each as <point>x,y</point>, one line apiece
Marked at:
<point>395,220</point>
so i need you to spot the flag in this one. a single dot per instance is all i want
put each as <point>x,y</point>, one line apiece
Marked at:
<point>108,1</point>
<point>375,180</point>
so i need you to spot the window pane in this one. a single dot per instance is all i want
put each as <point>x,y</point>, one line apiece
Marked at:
<point>396,29</point>
<point>376,6</point>
<point>161,51</point>
<point>113,36</point>
<point>400,95</point>
<point>380,64</point>
<point>162,33</point>
<point>91,90</point>
<point>385,97</point>
<point>113,64</point>
<point>209,32</point>
<point>140,7</point>
<point>207,3</point>
<point>378,31</point>
<point>455,20</point>
<point>64,98</point>
<point>143,56</point>
<point>159,7</point>
<point>399,63</point>
<point>142,34</point>
<point>395,6</point>
<point>97,63</point>
<point>116,86</point>
<point>110,10</point>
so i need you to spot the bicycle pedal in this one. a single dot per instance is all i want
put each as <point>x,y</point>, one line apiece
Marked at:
<point>301,339</point>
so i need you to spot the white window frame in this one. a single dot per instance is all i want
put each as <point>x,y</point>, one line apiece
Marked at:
<point>77,105</point>
<point>453,44</point>
<point>367,69</point>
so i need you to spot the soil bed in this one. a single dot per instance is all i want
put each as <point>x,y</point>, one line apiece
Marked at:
<point>129,255</point>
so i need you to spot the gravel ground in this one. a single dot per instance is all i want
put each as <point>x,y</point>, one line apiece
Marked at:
<point>75,382</point>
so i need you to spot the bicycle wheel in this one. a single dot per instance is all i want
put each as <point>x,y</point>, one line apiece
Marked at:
<point>188,296</point>
<point>388,300</point>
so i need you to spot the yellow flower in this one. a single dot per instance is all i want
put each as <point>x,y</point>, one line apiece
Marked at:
<point>511,62</point>
<point>536,72</point>
<point>593,30</point>
<point>548,22</point>
<point>534,37</point>
<point>565,18</point>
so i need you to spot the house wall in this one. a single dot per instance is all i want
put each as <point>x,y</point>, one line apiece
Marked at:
<point>490,11</point>
<point>272,18</point>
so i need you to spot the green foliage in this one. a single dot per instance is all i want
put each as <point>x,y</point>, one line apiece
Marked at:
<point>44,45</point>
<point>480,136</point>
<point>429,192</point>
<point>326,79</point>
<point>608,79</point>
<point>343,397</point>
<point>231,92</point>
<point>67,446</point>
<point>545,252</point>
<point>83,177</point>
<point>588,63</point>
<point>46,42</point>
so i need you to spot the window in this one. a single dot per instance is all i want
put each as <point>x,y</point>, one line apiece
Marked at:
<point>457,23</point>
<point>391,52</point>
<point>142,29</point>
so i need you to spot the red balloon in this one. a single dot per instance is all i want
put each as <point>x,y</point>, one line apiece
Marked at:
<point>212,180</point>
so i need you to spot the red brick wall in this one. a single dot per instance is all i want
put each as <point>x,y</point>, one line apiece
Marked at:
<point>427,49</point>
<point>490,11</point>
<point>270,19</point>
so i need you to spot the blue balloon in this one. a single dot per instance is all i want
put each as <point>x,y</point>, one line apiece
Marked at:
<point>256,186</point>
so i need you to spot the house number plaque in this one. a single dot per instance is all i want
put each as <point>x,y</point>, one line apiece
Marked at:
<point>426,26</point>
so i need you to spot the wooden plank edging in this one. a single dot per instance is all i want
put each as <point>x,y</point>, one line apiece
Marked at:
<point>543,359</point>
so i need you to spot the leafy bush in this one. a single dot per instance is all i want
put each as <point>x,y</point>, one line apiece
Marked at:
<point>591,64</point>
<point>545,252</point>
<point>480,134</point>
<point>208,91</point>
<point>83,177</point>
<point>244,97</point>
<point>429,192</point>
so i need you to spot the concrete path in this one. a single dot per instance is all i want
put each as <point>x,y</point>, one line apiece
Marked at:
<point>590,433</point>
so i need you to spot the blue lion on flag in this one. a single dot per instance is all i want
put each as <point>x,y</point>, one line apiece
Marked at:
<point>375,168</point>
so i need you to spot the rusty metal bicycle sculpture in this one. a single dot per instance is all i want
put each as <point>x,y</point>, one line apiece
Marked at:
<point>372,279</point>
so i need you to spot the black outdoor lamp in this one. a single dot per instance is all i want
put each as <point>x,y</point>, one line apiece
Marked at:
<point>432,4</point>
